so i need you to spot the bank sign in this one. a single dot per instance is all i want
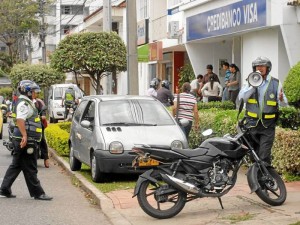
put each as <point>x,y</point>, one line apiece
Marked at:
<point>240,16</point>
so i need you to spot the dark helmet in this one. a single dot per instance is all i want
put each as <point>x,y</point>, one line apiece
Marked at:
<point>154,83</point>
<point>262,61</point>
<point>166,84</point>
<point>25,87</point>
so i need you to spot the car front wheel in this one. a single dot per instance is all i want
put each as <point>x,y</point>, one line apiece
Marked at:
<point>97,175</point>
<point>75,164</point>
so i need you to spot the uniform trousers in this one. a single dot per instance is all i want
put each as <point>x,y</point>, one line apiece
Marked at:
<point>265,138</point>
<point>27,163</point>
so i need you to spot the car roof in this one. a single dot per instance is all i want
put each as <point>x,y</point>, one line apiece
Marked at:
<point>63,85</point>
<point>118,97</point>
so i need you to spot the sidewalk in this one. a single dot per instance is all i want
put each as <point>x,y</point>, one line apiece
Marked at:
<point>121,208</point>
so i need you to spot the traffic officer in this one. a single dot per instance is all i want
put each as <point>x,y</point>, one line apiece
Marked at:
<point>262,105</point>
<point>68,99</point>
<point>26,136</point>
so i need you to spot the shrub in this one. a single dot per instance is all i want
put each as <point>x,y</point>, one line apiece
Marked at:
<point>286,151</point>
<point>186,74</point>
<point>289,117</point>
<point>219,105</point>
<point>291,85</point>
<point>57,139</point>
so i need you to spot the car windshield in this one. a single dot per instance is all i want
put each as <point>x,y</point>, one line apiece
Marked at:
<point>59,92</point>
<point>124,113</point>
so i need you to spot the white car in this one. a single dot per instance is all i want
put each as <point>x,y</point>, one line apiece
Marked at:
<point>55,109</point>
<point>105,129</point>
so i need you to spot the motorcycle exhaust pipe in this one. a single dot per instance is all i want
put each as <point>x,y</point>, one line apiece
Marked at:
<point>180,184</point>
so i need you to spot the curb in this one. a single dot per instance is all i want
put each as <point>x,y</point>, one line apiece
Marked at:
<point>105,203</point>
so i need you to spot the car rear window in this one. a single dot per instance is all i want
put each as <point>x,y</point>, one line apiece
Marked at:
<point>136,112</point>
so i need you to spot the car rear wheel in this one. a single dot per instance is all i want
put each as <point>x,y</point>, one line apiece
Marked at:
<point>75,164</point>
<point>97,175</point>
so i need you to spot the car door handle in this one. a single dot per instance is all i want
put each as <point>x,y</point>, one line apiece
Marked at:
<point>78,136</point>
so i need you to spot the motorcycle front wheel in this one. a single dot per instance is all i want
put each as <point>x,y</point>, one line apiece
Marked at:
<point>271,191</point>
<point>159,199</point>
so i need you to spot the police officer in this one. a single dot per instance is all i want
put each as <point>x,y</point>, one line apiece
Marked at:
<point>164,95</point>
<point>26,136</point>
<point>68,99</point>
<point>262,107</point>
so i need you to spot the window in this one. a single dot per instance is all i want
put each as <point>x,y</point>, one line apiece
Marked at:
<point>143,7</point>
<point>51,10</point>
<point>79,110</point>
<point>65,29</point>
<point>72,9</point>
<point>2,49</point>
<point>66,9</point>
<point>51,30</point>
<point>89,113</point>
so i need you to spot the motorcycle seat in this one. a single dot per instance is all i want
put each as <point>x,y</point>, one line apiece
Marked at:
<point>191,152</point>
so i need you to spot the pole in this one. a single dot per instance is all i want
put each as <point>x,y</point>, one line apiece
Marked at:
<point>107,28</point>
<point>43,32</point>
<point>132,63</point>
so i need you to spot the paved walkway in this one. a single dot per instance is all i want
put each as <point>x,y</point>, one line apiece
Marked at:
<point>121,208</point>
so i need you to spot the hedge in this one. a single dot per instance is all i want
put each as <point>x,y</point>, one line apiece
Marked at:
<point>57,138</point>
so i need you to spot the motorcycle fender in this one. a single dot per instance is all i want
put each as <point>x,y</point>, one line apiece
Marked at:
<point>252,178</point>
<point>142,178</point>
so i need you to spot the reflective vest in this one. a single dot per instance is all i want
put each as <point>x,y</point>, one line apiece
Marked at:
<point>267,113</point>
<point>69,96</point>
<point>33,124</point>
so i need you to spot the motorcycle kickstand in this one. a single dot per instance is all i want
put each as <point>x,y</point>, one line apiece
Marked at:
<point>220,201</point>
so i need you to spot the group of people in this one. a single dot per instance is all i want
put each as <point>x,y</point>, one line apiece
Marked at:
<point>208,88</point>
<point>262,102</point>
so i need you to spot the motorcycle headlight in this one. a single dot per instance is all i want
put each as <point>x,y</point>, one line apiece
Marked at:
<point>116,148</point>
<point>176,145</point>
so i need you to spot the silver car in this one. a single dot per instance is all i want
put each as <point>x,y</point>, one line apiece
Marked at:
<point>105,128</point>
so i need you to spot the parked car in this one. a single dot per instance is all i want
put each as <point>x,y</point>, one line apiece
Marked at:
<point>55,109</point>
<point>105,128</point>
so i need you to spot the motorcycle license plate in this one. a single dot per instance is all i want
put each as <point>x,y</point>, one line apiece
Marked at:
<point>150,162</point>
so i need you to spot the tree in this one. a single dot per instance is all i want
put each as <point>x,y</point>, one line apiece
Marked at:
<point>186,74</point>
<point>94,54</point>
<point>291,85</point>
<point>42,74</point>
<point>17,18</point>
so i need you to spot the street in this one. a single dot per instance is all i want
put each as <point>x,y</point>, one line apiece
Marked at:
<point>69,205</point>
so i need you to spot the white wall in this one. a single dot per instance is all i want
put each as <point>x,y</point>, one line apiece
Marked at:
<point>260,43</point>
<point>202,54</point>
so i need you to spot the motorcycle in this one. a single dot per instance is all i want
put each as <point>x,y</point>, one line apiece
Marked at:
<point>71,109</point>
<point>182,175</point>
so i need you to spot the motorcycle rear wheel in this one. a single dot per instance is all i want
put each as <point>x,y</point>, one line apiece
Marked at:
<point>271,192</point>
<point>161,206</point>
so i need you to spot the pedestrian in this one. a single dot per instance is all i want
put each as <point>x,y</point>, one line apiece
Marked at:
<point>39,104</point>
<point>233,84</point>
<point>206,77</point>
<point>164,95</point>
<point>196,86</point>
<point>152,91</point>
<point>185,107</point>
<point>225,95</point>
<point>262,107</point>
<point>69,100</point>
<point>25,135</point>
<point>212,91</point>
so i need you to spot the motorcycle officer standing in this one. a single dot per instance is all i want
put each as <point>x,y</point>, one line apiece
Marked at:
<point>28,129</point>
<point>68,100</point>
<point>262,105</point>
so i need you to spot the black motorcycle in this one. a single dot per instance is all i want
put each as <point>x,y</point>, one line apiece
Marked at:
<point>207,171</point>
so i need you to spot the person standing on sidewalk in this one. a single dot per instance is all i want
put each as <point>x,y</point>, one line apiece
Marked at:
<point>28,128</point>
<point>185,104</point>
<point>262,107</point>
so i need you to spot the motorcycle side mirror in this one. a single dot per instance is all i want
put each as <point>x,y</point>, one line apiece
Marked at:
<point>207,132</point>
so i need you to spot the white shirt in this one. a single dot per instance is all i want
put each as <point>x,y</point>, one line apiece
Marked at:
<point>217,89</point>
<point>24,111</point>
<point>151,92</point>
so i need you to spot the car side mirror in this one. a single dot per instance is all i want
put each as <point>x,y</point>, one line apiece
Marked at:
<point>85,124</point>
